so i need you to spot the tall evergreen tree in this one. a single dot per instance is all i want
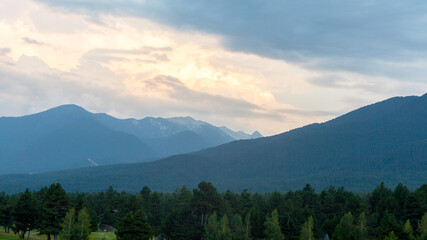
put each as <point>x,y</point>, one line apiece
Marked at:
<point>154,216</point>
<point>54,209</point>
<point>212,229</point>
<point>362,227</point>
<point>134,227</point>
<point>272,227</point>
<point>239,230</point>
<point>307,230</point>
<point>68,225</point>
<point>141,223</point>
<point>389,224</point>
<point>83,226</point>
<point>24,214</point>
<point>408,230</point>
<point>248,234</point>
<point>257,218</point>
<point>6,215</point>
<point>126,229</point>
<point>205,201</point>
<point>224,227</point>
<point>5,212</point>
<point>180,223</point>
<point>145,195</point>
<point>413,209</point>
<point>345,230</point>
<point>422,227</point>
<point>382,200</point>
<point>401,194</point>
<point>391,236</point>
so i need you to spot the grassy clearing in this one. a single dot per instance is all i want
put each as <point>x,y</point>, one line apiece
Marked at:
<point>11,236</point>
<point>93,236</point>
<point>102,236</point>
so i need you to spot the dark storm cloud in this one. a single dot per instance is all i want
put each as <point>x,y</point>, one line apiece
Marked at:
<point>356,36</point>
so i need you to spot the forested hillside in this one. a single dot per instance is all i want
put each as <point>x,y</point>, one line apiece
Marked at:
<point>206,213</point>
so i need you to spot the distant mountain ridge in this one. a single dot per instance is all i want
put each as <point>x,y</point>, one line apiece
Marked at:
<point>68,136</point>
<point>385,141</point>
<point>240,135</point>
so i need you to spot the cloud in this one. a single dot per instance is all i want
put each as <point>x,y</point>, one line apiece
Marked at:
<point>30,86</point>
<point>4,51</point>
<point>266,65</point>
<point>363,37</point>
<point>372,85</point>
<point>207,103</point>
<point>31,41</point>
<point>149,54</point>
<point>309,113</point>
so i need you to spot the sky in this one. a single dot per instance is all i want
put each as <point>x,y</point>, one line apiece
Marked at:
<point>250,65</point>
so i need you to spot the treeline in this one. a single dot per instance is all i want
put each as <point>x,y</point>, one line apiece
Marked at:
<point>205,213</point>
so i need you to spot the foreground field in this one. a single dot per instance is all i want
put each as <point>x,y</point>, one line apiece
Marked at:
<point>93,236</point>
<point>102,236</point>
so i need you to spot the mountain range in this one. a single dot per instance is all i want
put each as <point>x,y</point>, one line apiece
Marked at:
<point>68,136</point>
<point>385,141</point>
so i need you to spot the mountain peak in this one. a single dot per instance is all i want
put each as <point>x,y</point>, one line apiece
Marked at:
<point>67,108</point>
<point>187,121</point>
<point>256,134</point>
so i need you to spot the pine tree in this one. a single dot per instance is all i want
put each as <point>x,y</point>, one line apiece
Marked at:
<point>180,222</point>
<point>422,227</point>
<point>345,230</point>
<point>413,209</point>
<point>154,218</point>
<point>391,236</point>
<point>5,212</point>
<point>53,211</point>
<point>126,229</point>
<point>141,223</point>
<point>408,231</point>
<point>212,230</point>
<point>272,227</point>
<point>145,195</point>
<point>307,230</point>
<point>224,227</point>
<point>205,201</point>
<point>134,227</point>
<point>238,229</point>
<point>401,194</point>
<point>362,229</point>
<point>257,218</point>
<point>248,235</point>
<point>83,226</point>
<point>389,224</point>
<point>68,225</point>
<point>24,214</point>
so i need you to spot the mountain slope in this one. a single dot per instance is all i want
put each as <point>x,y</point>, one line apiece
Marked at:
<point>241,135</point>
<point>169,136</point>
<point>386,141</point>
<point>72,143</point>
<point>68,136</point>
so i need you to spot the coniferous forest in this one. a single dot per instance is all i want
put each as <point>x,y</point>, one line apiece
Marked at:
<point>205,213</point>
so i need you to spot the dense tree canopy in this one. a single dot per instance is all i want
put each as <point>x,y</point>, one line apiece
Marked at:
<point>205,213</point>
